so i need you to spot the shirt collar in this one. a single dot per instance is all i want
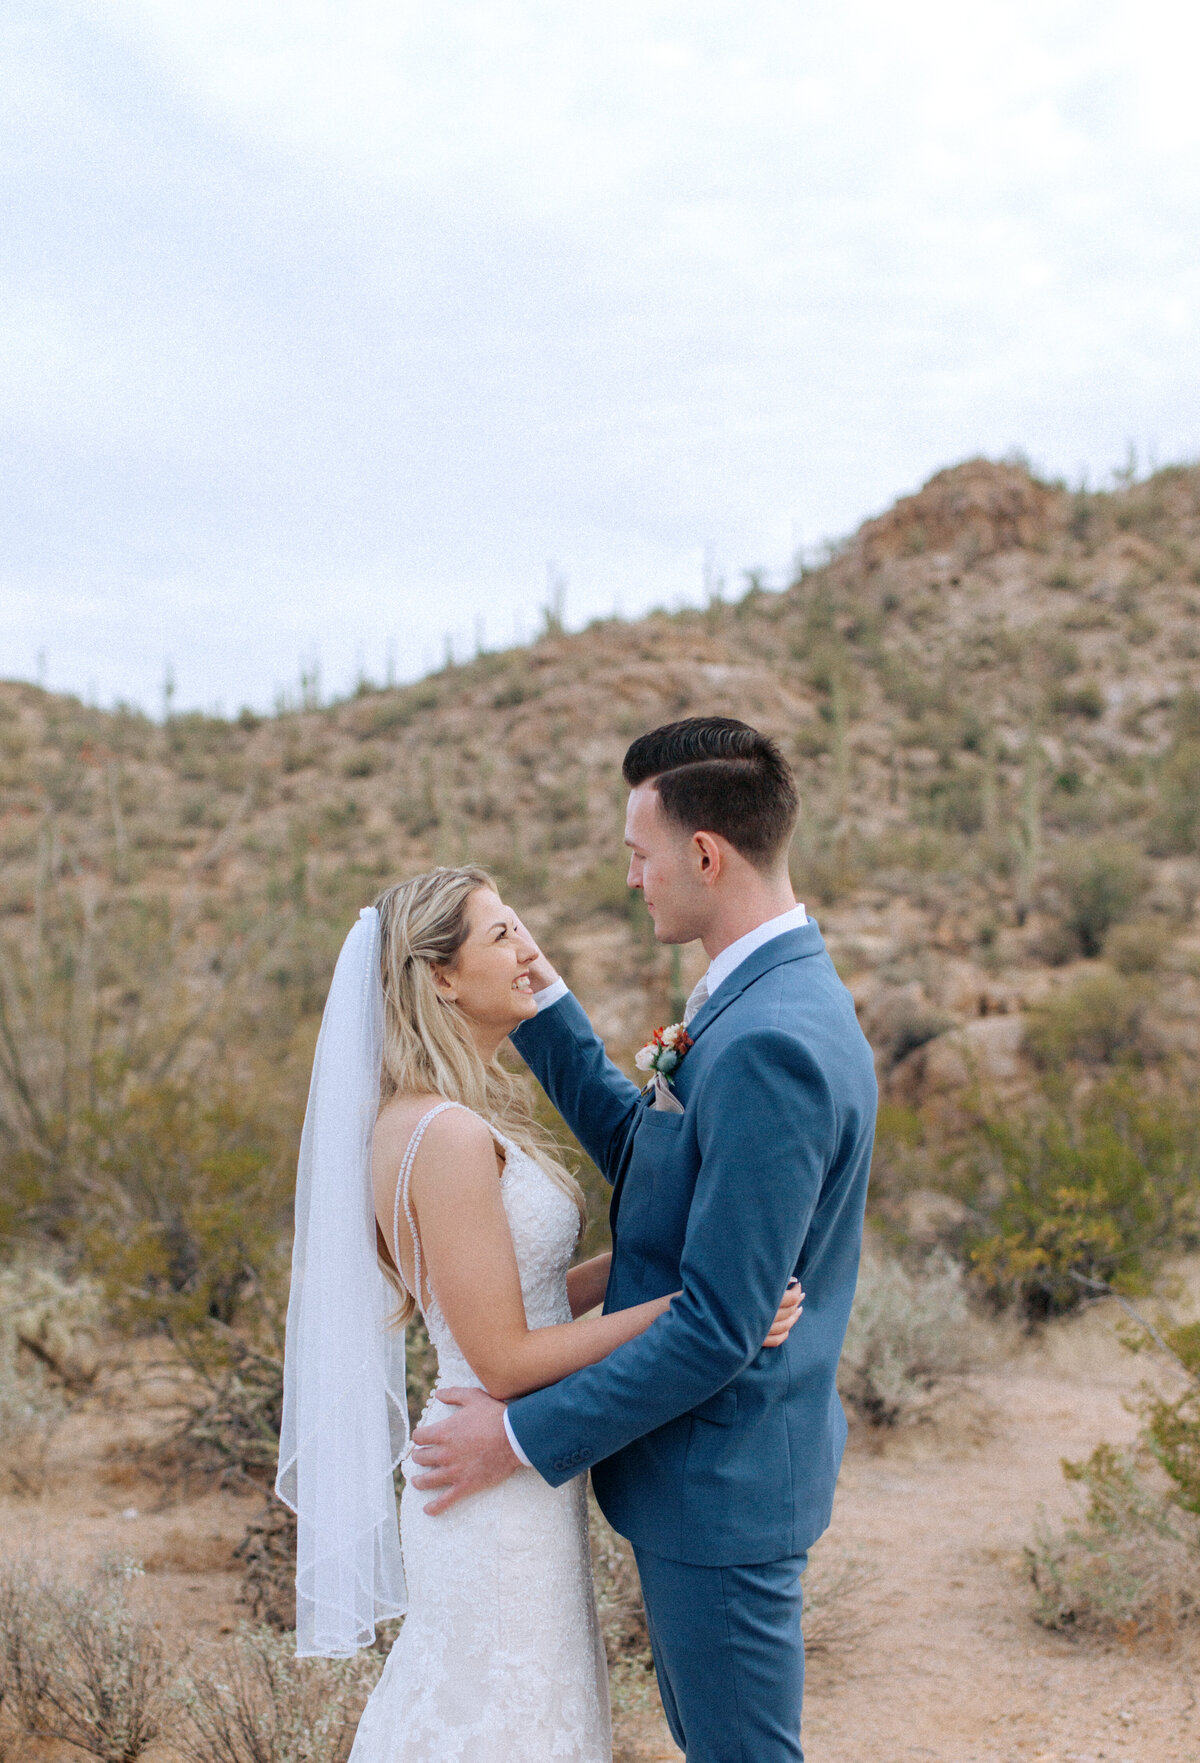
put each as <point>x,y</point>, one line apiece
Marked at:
<point>723,965</point>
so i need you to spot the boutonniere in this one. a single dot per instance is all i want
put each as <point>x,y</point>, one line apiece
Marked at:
<point>663,1051</point>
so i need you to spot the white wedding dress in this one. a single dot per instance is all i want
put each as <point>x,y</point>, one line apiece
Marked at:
<point>500,1658</point>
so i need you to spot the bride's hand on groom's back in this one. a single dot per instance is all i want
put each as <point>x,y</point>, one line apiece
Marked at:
<point>787,1316</point>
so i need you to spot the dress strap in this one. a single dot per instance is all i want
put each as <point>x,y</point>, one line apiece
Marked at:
<point>404,1184</point>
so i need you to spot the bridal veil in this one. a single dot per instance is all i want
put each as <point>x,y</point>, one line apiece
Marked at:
<point>345,1413</point>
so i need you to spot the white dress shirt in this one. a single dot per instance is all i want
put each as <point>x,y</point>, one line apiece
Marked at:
<point>719,970</point>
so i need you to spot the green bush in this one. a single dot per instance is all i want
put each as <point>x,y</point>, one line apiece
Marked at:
<point>1100,884</point>
<point>1086,700</point>
<point>1131,1561</point>
<point>1172,1425</point>
<point>1176,826</point>
<point>1075,1190</point>
<point>1096,1020</point>
<point>189,1201</point>
<point>1128,1564</point>
<point>1137,948</point>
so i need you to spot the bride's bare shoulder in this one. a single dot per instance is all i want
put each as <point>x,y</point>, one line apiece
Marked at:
<point>401,1115</point>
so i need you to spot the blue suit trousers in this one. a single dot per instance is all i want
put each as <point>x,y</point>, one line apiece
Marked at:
<point>729,1653</point>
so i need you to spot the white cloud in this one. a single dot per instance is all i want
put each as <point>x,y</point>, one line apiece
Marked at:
<point>329,325</point>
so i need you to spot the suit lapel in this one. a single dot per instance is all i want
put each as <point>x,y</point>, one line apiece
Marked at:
<point>793,945</point>
<point>614,1205</point>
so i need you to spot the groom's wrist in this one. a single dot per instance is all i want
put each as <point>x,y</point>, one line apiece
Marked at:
<point>558,988</point>
<point>515,1443</point>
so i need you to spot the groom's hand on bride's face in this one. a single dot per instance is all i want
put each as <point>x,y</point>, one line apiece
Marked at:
<point>466,1452</point>
<point>541,974</point>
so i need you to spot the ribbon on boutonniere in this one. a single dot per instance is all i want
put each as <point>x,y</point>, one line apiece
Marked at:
<point>661,1057</point>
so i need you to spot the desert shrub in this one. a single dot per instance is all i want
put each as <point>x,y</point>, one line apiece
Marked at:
<point>835,1621</point>
<point>902,1020</point>
<point>79,1665</point>
<point>1176,826</point>
<point>1097,1020</point>
<point>231,1409</point>
<point>602,889</point>
<point>267,1553</point>
<point>1085,699</point>
<point>1172,1424</point>
<point>55,1320</point>
<point>120,1131</point>
<point>911,1334</point>
<point>30,1413</point>
<point>189,1203</point>
<point>955,802</point>
<point>1100,884</point>
<point>254,1701</point>
<point>24,1661</point>
<point>47,1341</point>
<point>1137,948</point>
<point>1071,1190</point>
<point>1131,1560</point>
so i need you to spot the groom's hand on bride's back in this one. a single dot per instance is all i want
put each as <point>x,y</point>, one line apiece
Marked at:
<point>465,1453</point>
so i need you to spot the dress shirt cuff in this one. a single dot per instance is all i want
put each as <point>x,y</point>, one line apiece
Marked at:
<point>551,994</point>
<point>515,1442</point>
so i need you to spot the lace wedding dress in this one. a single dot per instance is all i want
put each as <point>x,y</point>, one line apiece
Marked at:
<point>500,1658</point>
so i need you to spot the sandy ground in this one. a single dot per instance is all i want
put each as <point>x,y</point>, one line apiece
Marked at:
<point>947,1666</point>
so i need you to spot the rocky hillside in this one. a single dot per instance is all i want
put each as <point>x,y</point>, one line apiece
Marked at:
<point>989,695</point>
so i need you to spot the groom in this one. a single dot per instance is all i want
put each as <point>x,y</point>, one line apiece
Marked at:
<point>715,1457</point>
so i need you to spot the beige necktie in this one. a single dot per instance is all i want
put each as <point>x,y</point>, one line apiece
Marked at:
<point>697,999</point>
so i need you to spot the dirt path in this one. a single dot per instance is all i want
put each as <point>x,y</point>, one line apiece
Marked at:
<point>955,1670</point>
<point>950,1669</point>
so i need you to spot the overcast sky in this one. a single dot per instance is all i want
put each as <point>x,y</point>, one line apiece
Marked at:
<point>328,329</point>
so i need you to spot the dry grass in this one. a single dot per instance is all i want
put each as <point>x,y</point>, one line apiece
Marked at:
<point>78,1665</point>
<point>253,1701</point>
<point>912,1337</point>
<point>836,1614</point>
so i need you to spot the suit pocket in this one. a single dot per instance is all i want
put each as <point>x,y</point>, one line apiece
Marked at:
<point>719,1410</point>
<point>659,1120</point>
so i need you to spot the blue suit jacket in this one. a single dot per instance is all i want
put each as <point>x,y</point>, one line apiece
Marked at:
<point>705,1446</point>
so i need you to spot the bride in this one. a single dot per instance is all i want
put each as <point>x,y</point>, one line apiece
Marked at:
<point>423,1177</point>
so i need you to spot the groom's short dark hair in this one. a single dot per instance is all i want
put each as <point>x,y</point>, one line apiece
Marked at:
<point>715,774</point>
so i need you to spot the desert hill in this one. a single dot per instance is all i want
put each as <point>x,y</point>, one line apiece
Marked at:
<point>988,695</point>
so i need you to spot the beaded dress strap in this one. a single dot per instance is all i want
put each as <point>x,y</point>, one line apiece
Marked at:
<point>404,1184</point>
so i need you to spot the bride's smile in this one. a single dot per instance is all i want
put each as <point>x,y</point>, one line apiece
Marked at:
<point>488,978</point>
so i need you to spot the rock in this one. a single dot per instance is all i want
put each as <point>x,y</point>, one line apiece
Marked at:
<point>897,1019</point>
<point>931,1217</point>
<point>975,510</point>
<point>987,1050</point>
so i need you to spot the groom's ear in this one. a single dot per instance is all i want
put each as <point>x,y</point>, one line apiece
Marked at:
<point>708,854</point>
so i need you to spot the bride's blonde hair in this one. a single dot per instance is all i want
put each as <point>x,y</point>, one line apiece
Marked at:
<point>427,1045</point>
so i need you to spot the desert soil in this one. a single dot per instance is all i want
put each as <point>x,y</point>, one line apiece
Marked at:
<point>947,1665</point>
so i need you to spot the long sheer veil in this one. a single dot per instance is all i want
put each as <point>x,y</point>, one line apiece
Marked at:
<point>345,1415</point>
